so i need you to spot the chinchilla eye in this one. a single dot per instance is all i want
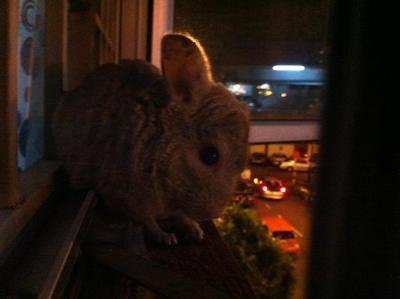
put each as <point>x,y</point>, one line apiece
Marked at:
<point>209,155</point>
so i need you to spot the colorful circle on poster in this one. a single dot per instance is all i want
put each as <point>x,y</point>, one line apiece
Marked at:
<point>26,55</point>
<point>28,15</point>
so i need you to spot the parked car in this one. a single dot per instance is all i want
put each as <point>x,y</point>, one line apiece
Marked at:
<point>271,188</point>
<point>277,158</point>
<point>314,160</point>
<point>301,164</point>
<point>244,193</point>
<point>282,232</point>
<point>258,158</point>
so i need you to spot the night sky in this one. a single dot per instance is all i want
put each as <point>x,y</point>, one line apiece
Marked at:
<point>262,32</point>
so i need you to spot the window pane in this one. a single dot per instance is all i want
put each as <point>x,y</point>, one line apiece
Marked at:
<point>246,39</point>
<point>272,55</point>
<point>30,82</point>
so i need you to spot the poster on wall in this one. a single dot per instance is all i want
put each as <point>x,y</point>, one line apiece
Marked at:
<point>30,110</point>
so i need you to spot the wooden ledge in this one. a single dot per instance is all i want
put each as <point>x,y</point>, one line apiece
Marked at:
<point>198,270</point>
<point>116,255</point>
<point>209,261</point>
<point>35,186</point>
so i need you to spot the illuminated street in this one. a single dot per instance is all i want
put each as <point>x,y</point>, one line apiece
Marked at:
<point>296,211</point>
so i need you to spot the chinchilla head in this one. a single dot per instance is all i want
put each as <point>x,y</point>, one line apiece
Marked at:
<point>206,133</point>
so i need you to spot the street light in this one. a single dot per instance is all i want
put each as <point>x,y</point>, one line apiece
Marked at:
<point>290,68</point>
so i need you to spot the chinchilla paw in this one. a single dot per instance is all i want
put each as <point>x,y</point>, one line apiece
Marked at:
<point>160,236</point>
<point>195,231</point>
<point>167,239</point>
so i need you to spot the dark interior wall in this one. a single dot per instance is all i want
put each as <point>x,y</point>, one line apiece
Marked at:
<point>356,223</point>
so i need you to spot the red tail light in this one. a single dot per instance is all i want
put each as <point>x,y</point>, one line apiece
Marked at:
<point>283,189</point>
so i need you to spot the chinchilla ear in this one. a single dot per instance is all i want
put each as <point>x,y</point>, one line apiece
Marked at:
<point>186,67</point>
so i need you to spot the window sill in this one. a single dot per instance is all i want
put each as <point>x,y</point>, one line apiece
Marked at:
<point>35,185</point>
<point>67,256</point>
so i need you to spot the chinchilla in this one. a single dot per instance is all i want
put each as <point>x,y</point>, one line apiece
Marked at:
<point>155,144</point>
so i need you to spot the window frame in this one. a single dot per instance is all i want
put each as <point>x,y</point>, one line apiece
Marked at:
<point>22,194</point>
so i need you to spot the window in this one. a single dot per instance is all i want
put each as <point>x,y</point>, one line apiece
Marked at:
<point>46,48</point>
<point>270,54</point>
<point>26,176</point>
<point>107,18</point>
<point>283,235</point>
<point>350,256</point>
<point>357,123</point>
<point>103,31</point>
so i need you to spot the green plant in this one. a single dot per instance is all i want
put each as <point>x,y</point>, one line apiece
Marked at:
<point>269,270</point>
